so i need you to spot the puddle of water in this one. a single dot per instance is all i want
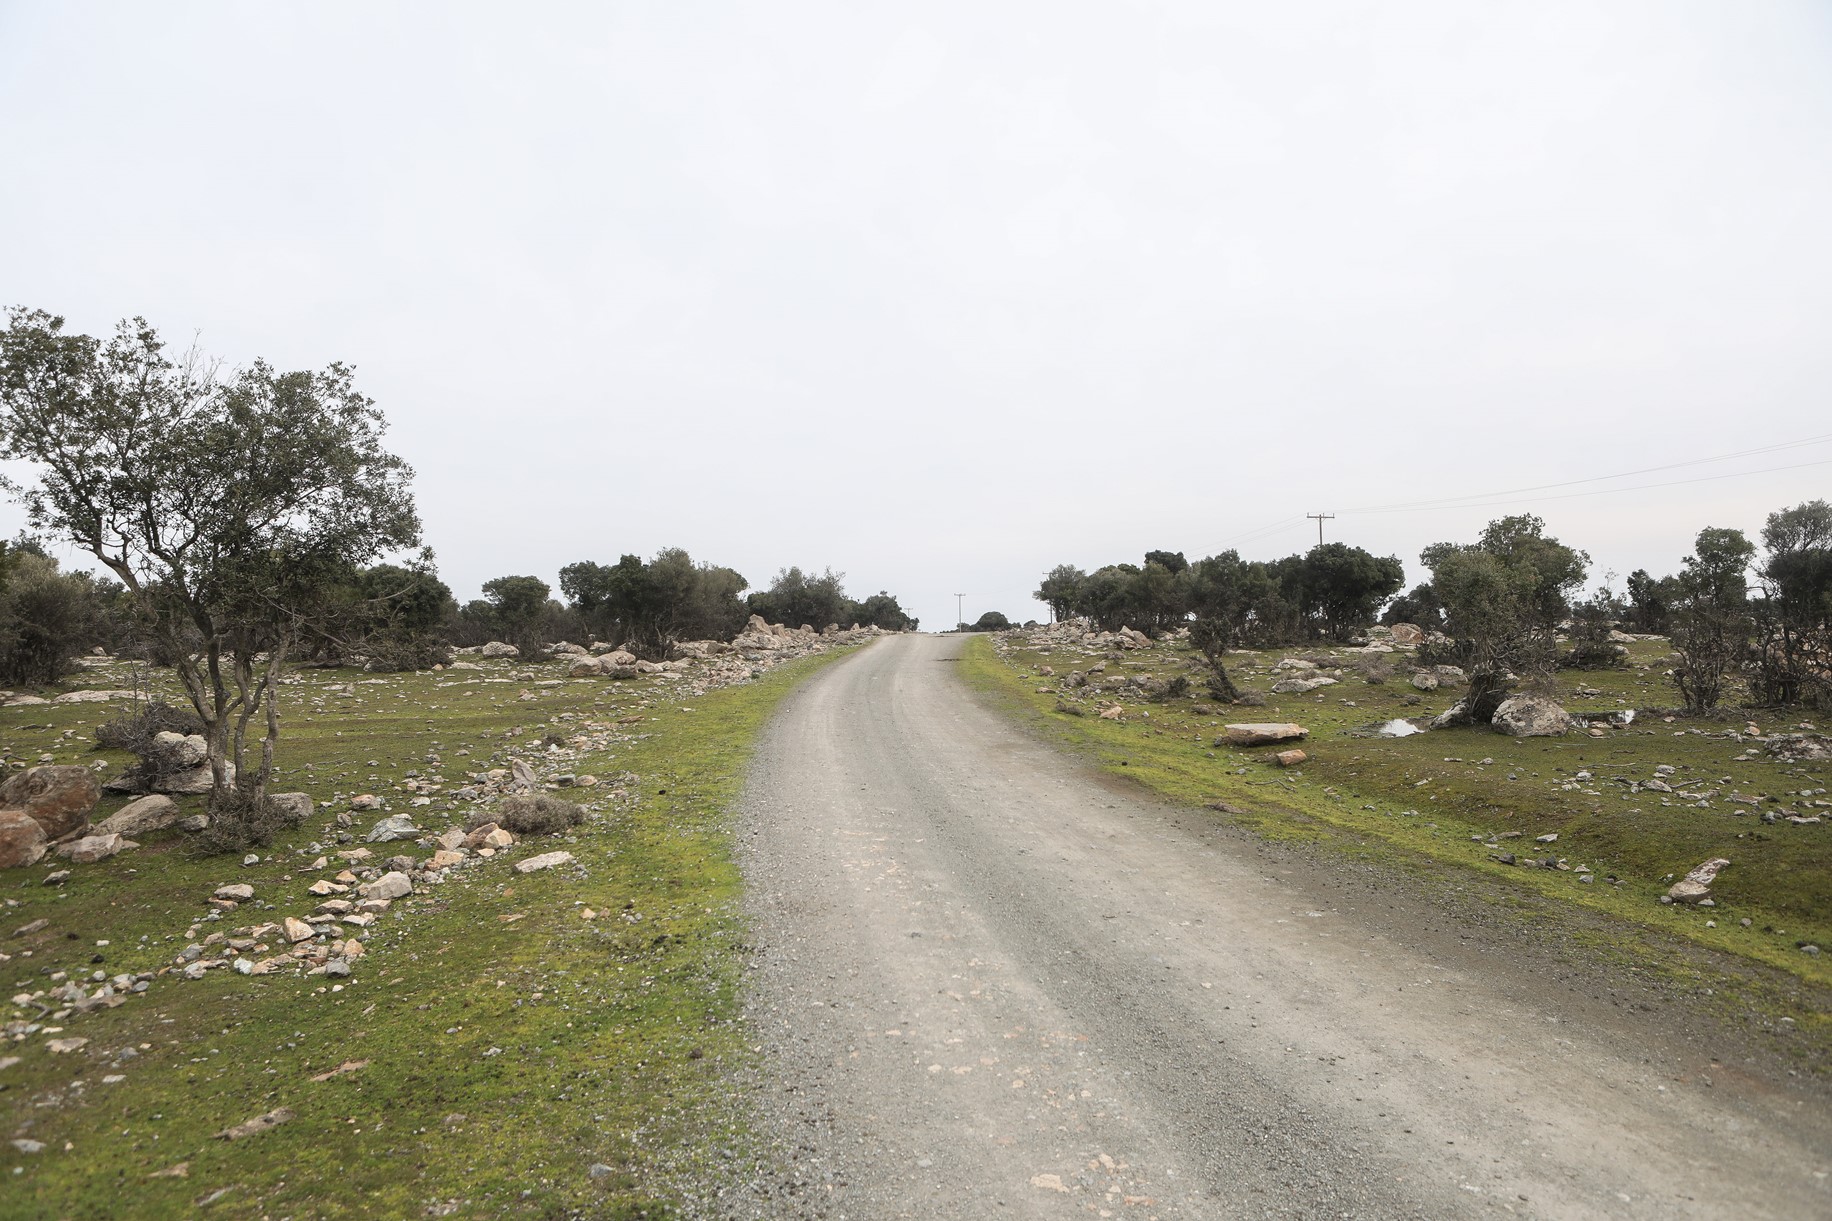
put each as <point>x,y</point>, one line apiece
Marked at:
<point>1397,729</point>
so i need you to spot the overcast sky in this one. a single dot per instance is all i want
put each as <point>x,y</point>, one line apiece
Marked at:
<point>943,295</point>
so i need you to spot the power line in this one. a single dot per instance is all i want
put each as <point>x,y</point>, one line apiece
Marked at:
<point>1456,501</point>
<point>1640,487</point>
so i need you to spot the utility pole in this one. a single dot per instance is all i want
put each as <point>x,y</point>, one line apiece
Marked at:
<point>1320,518</point>
<point>960,614</point>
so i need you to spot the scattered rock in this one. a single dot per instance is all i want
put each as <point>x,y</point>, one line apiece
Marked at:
<point>1796,747</point>
<point>1695,887</point>
<point>489,835</point>
<point>93,848</point>
<point>348,1066</point>
<point>547,860</point>
<point>497,648</point>
<point>1261,733</point>
<point>239,892</point>
<point>58,1047</point>
<point>1290,758</point>
<point>1425,680</point>
<point>260,1123</point>
<point>395,885</point>
<point>395,826</point>
<point>296,930</point>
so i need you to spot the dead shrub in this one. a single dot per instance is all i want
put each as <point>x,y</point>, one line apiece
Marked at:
<point>135,731</point>
<point>531,814</point>
<point>242,822</point>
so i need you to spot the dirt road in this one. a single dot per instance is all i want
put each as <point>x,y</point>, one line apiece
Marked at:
<point>989,983</point>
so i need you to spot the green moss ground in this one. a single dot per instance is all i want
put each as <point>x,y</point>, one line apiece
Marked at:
<point>1432,800</point>
<point>509,1043</point>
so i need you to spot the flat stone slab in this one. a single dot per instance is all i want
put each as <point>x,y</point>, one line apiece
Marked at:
<point>1263,733</point>
<point>547,860</point>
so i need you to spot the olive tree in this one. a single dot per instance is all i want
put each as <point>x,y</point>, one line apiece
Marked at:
<point>227,503</point>
<point>1503,597</point>
<point>1060,589</point>
<point>1794,664</point>
<point>1711,622</point>
<point>1223,591</point>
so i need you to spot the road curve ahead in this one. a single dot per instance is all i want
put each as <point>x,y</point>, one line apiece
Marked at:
<point>989,983</point>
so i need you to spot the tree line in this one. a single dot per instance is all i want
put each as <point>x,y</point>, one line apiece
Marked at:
<point>1499,606</point>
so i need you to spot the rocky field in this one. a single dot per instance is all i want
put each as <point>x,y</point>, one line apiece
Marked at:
<point>490,968</point>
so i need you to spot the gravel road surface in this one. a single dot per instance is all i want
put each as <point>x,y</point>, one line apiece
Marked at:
<point>990,982</point>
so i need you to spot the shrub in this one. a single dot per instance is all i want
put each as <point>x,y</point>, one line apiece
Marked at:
<point>1374,669</point>
<point>1591,624</point>
<point>47,617</point>
<point>241,822</point>
<point>532,814</point>
<point>393,656</point>
<point>135,732</point>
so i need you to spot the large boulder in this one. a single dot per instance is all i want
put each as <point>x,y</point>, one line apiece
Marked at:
<point>294,807</point>
<point>22,840</point>
<point>1262,733</point>
<point>193,781</point>
<point>1531,716</point>
<point>57,798</point>
<point>180,751</point>
<point>1407,633</point>
<point>148,814</point>
<point>497,648</point>
<point>583,667</point>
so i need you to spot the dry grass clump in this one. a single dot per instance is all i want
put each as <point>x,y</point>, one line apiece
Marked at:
<point>531,814</point>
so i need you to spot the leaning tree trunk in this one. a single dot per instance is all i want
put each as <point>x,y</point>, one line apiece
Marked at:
<point>1486,691</point>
